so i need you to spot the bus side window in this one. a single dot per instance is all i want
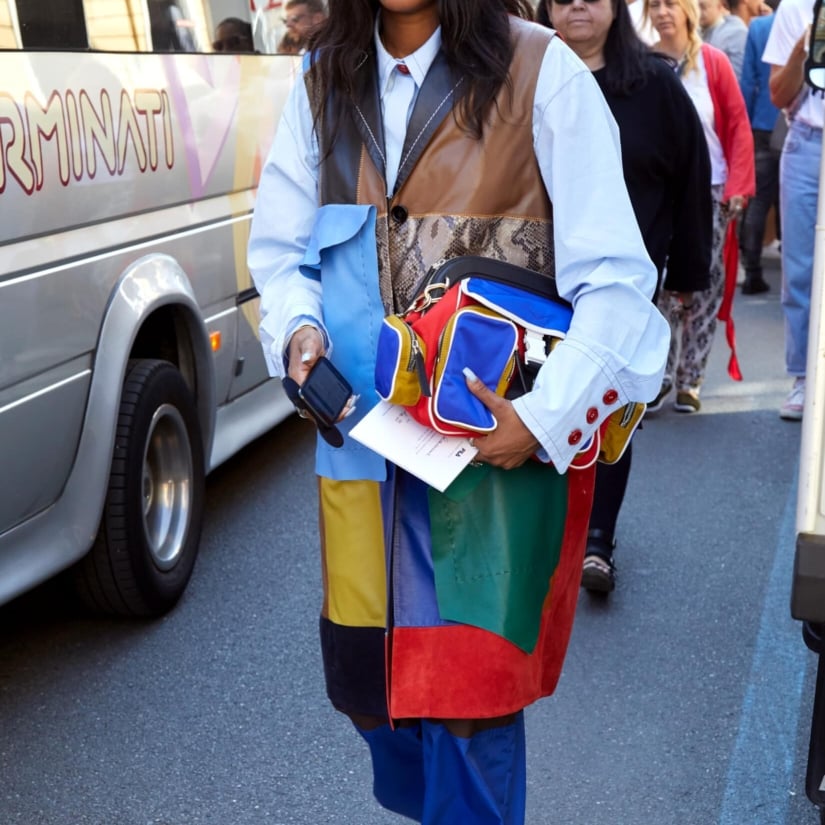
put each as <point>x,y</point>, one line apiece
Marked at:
<point>56,25</point>
<point>175,27</point>
<point>239,26</point>
<point>117,25</point>
<point>7,37</point>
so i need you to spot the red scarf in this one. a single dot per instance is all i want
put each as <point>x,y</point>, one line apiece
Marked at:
<point>730,256</point>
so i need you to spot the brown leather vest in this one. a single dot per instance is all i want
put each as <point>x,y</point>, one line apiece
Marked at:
<point>455,194</point>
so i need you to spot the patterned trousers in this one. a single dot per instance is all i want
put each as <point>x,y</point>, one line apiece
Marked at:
<point>692,329</point>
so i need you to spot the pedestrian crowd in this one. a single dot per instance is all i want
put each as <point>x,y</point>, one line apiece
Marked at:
<point>643,154</point>
<point>764,142</point>
<point>744,77</point>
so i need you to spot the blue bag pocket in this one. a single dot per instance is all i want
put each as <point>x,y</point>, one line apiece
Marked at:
<point>400,374</point>
<point>487,343</point>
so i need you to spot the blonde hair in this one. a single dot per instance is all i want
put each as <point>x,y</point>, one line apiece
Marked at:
<point>691,10</point>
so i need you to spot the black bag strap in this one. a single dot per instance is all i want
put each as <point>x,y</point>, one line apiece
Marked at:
<point>465,266</point>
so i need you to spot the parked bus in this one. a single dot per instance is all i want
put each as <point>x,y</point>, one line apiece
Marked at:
<point>130,366</point>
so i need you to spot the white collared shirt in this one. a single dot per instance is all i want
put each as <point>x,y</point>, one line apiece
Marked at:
<point>398,94</point>
<point>617,340</point>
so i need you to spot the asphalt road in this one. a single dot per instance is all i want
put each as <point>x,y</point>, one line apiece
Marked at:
<point>685,697</point>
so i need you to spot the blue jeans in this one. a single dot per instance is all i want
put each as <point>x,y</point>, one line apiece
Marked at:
<point>798,193</point>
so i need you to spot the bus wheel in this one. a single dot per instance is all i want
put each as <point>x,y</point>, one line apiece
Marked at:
<point>150,530</point>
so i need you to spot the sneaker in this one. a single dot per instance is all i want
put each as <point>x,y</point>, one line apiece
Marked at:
<point>656,404</point>
<point>687,401</point>
<point>791,409</point>
<point>772,250</point>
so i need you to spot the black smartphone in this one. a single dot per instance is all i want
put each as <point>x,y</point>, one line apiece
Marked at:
<point>325,392</point>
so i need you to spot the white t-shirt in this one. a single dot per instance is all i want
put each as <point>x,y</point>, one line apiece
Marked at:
<point>696,85</point>
<point>791,20</point>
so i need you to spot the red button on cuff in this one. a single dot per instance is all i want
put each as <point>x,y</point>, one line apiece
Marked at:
<point>610,397</point>
<point>575,437</point>
<point>592,415</point>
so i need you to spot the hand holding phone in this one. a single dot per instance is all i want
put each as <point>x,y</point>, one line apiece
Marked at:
<point>325,392</point>
<point>324,396</point>
<point>306,345</point>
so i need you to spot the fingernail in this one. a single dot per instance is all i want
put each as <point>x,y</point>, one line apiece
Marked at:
<point>305,356</point>
<point>469,374</point>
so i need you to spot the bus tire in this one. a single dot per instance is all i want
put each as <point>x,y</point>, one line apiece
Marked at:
<point>148,539</point>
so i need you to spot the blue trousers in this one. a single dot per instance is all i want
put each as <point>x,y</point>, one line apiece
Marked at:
<point>431,776</point>
<point>798,192</point>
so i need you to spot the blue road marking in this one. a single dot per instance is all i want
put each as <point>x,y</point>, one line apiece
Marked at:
<point>760,773</point>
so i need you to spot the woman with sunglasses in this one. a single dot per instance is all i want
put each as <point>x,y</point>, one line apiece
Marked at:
<point>424,130</point>
<point>667,172</point>
<point>709,79</point>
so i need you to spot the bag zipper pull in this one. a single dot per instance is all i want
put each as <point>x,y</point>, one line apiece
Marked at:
<point>420,368</point>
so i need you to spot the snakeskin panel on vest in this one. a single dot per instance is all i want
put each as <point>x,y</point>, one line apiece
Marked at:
<point>455,194</point>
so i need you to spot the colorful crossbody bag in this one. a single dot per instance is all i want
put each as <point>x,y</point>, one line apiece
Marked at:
<point>495,318</point>
<point>500,320</point>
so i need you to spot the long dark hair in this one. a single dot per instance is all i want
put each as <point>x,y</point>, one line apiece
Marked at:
<point>475,38</point>
<point>625,55</point>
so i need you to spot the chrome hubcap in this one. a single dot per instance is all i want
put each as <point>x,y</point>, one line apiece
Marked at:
<point>167,486</point>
